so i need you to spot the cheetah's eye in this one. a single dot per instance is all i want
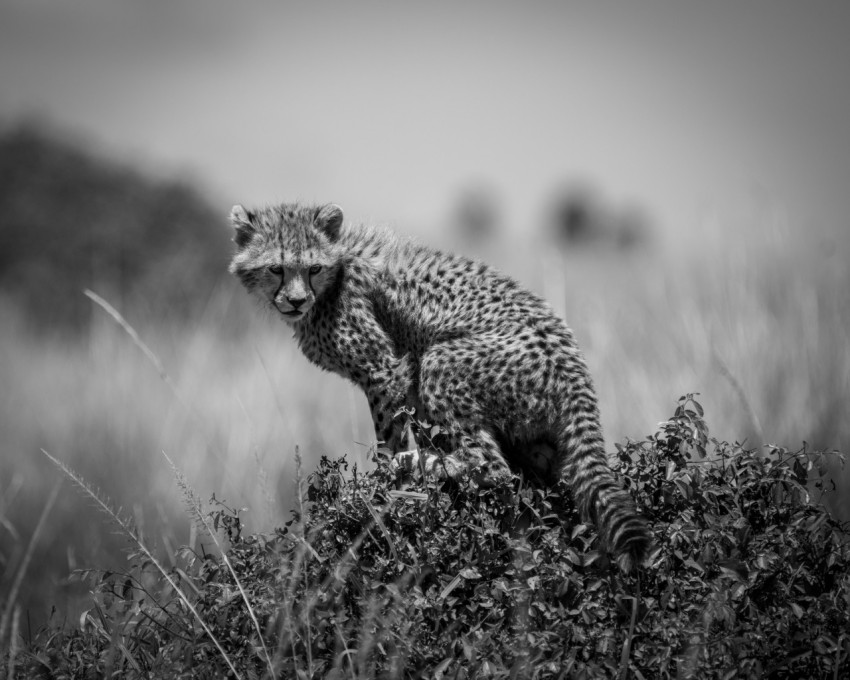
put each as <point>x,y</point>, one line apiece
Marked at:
<point>275,269</point>
<point>315,269</point>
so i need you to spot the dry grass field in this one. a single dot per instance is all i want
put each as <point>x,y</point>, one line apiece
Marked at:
<point>759,325</point>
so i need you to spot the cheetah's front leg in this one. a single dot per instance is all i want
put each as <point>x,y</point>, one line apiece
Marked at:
<point>449,402</point>
<point>389,391</point>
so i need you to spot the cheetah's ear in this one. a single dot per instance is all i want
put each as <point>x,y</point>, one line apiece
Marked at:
<point>241,221</point>
<point>329,219</point>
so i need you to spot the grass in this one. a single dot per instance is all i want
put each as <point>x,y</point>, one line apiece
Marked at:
<point>759,327</point>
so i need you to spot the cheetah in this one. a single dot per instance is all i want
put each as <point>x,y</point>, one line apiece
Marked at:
<point>463,345</point>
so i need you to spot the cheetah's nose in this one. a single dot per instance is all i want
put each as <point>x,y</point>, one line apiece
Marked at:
<point>296,302</point>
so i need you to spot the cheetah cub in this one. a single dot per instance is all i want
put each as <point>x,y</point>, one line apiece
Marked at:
<point>464,345</point>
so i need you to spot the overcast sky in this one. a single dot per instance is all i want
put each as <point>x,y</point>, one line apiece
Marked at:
<point>391,108</point>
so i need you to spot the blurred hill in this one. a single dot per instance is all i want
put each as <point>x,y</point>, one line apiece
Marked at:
<point>71,220</point>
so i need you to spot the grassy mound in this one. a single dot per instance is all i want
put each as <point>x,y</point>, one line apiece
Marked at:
<point>749,577</point>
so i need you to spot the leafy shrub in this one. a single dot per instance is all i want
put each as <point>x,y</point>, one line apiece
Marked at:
<point>749,577</point>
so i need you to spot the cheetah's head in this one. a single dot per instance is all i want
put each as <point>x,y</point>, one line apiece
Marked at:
<point>287,254</point>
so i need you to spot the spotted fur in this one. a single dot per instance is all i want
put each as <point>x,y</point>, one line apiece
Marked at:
<point>463,344</point>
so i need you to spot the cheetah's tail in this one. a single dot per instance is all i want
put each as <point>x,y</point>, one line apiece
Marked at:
<point>601,499</point>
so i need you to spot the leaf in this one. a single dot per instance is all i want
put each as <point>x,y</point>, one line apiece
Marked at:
<point>84,618</point>
<point>578,530</point>
<point>470,574</point>
<point>734,569</point>
<point>441,668</point>
<point>684,488</point>
<point>695,565</point>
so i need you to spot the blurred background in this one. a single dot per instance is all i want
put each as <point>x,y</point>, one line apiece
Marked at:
<point>674,179</point>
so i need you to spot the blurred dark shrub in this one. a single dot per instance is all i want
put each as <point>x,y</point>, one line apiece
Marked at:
<point>577,218</point>
<point>72,220</point>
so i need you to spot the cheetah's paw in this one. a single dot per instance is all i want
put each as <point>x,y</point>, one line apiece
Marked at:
<point>406,461</point>
<point>429,462</point>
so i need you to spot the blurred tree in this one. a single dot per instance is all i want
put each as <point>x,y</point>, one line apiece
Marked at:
<point>578,218</point>
<point>72,221</point>
<point>477,214</point>
<point>575,216</point>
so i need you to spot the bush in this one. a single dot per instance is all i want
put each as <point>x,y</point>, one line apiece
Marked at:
<point>749,577</point>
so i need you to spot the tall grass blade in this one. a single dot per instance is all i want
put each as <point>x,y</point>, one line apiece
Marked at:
<point>723,369</point>
<point>275,395</point>
<point>153,358</point>
<point>127,528</point>
<point>13,643</point>
<point>134,336</point>
<point>25,561</point>
<point>7,499</point>
<point>198,515</point>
